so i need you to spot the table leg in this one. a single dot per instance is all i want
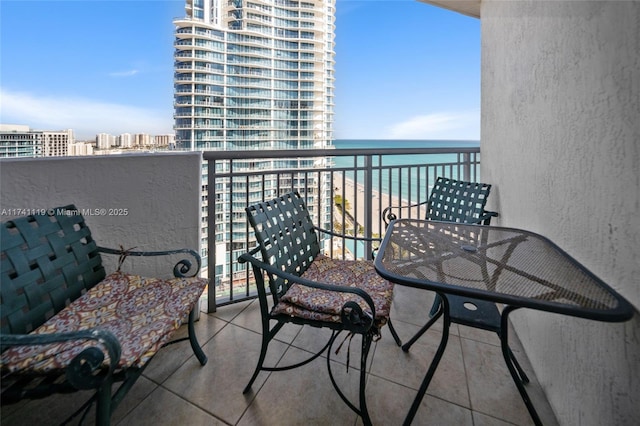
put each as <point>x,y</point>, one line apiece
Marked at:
<point>444,309</point>
<point>504,343</point>
<point>419,334</point>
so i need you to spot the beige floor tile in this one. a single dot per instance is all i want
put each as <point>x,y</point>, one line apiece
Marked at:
<point>52,410</point>
<point>172,357</point>
<point>229,312</point>
<point>164,408</point>
<point>217,387</point>
<point>491,387</point>
<point>390,402</point>
<point>409,368</point>
<point>251,319</point>
<point>412,306</point>
<point>303,396</point>
<point>480,419</point>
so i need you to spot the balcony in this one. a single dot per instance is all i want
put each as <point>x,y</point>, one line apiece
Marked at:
<point>472,384</point>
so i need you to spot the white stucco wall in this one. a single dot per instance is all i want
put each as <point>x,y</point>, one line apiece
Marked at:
<point>561,145</point>
<point>160,192</point>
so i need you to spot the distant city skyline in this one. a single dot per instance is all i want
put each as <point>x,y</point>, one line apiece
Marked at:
<point>404,69</point>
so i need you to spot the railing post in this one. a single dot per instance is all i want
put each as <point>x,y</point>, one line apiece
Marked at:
<point>211,236</point>
<point>368,204</point>
<point>466,166</point>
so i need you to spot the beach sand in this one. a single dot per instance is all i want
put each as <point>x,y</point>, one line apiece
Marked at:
<point>355,196</point>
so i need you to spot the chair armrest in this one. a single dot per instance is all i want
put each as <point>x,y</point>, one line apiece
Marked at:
<point>485,219</point>
<point>180,270</point>
<point>388,215</point>
<point>360,322</point>
<point>81,371</point>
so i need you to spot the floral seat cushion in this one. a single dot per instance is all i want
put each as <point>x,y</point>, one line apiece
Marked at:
<point>141,312</point>
<point>323,305</point>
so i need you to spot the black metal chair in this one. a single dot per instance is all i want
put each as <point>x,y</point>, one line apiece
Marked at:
<point>459,201</point>
<point>309,288</point>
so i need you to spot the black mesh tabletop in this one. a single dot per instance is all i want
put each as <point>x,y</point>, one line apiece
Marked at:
<point>503,265</point>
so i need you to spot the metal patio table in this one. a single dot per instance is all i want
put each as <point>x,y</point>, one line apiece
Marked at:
<point>513,267</point>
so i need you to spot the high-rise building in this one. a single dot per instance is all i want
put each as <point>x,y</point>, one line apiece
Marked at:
<point>21,141</point>
<point>105,141</point>
<point>80,148</point>
<point>253,75</point>
<point>125,140</point>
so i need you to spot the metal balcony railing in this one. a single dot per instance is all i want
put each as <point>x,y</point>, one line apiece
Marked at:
<point>345,190</point>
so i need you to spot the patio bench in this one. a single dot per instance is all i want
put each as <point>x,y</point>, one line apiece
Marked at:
<point>68,326</point>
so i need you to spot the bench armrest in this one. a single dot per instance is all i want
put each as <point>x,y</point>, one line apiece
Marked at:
<point>81,371</point>
<point>182,269</point>
<point>353,317</point>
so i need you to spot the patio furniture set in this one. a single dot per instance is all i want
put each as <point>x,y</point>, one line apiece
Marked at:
<point>453,251</point>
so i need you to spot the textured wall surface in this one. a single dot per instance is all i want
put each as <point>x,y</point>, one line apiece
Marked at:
<point>160,192</point>
<point>561,144</point>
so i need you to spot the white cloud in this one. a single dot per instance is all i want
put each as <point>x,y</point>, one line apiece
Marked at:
<point>86,117</point>
<point>124,73</point>
<point>459,125</point>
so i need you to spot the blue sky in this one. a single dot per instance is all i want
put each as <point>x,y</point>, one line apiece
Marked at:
<point>404,69</point>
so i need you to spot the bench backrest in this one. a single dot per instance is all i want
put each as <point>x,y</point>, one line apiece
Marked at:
<point>285,234</point>
<point>457,201</point>
<point>47,261</point>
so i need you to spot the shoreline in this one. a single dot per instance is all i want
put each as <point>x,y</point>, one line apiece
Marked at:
<point>355,196</point>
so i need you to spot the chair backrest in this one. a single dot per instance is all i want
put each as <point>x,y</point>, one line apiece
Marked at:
<point>285,234</point>
<point>47,261</point>
<point>457,201</point>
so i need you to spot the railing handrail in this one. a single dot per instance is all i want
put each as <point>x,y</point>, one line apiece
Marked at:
<point>330,152</point>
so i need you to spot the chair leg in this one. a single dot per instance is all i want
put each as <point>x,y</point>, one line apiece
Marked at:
<point>362,410</point>
<point>394,333</point>
<point>366,346</point>
<point>263,354</point>
<point>197,349</point>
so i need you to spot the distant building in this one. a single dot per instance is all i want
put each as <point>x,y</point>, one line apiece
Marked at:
<point>142,140</point>
<point>163,141</point>
<point>105,141</point>
<point>20,141</point>
<point>80,148</point>
<point>125,140</point>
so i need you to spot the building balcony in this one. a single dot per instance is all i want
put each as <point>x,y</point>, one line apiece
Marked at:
<point>162,193</point>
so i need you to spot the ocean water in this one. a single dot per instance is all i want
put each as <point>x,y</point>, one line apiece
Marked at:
<point>403,143</point>
<point>390,183</point>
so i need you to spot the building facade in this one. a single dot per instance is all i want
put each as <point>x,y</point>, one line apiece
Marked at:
<point>21,141</point>
<point>253,75</point>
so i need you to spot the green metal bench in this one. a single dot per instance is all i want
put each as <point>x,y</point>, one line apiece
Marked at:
<point>68,326</point>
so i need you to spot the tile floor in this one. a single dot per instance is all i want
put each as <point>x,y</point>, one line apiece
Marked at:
<point>472,385</point>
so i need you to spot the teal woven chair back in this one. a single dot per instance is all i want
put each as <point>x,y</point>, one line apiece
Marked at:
<point>457,201</point>
<point>286,236</point>
<point>39,252</point>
